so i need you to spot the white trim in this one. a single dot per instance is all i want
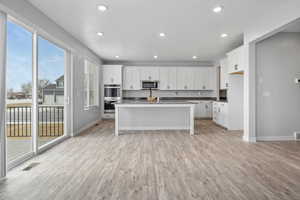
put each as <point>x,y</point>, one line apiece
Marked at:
<point>14,163</point>
<point>192,120</point>
<point>52,143</point>
<point>249,139</point>
<point>76,133</point>
<point>144,128</point>
<point>276,138</point>
<point>35,111</point>
<point>117,128</point>
<point>3,32</point>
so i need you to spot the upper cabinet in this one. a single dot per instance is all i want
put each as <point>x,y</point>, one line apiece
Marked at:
<point>112,74</point>
<point>131,78</point>
<point>185,78</point>
<point>171,78</point>
<point>224,74</point>
<point>204,78</point>
<point>149,73</point>
<point>167,78</point>
<point>236,62</point>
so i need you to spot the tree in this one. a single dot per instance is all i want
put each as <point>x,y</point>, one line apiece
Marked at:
<point>27,87</point>
<point>10,92</point>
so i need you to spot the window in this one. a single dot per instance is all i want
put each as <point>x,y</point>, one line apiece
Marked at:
<point>91,86</point>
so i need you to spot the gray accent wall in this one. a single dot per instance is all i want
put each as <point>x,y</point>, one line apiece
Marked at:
<point>278,96</point>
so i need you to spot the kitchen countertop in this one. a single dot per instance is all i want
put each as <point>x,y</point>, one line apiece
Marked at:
<point>145,102</point>
<point>173,98</point>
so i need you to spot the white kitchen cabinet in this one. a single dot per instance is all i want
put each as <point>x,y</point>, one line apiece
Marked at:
<point>224,74</point>
<point>204,78</point>
<point>203,109</point>
<point>131,78</point>
<point>185,78</point>
<point>236,63</point>
<point>149,73</point>
<point>167,78</point>
<point>220,113</point>
<point>112,74</point>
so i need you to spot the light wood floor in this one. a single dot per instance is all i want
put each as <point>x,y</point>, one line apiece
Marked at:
<point>214,164</point>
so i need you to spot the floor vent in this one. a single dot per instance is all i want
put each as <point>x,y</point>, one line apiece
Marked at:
<point>32,165</point>
<point>297,136</point>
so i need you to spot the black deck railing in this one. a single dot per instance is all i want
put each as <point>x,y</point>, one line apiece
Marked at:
<point>19,121</point>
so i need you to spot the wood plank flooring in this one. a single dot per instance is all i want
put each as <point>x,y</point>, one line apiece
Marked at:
<point>164,165</point>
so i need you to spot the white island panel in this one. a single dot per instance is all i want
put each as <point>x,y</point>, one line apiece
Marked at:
<point>154,117</point>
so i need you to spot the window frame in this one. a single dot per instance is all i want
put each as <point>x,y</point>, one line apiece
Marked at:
<point>86,88</point>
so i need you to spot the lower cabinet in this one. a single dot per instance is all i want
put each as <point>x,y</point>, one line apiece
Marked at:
<point>220,113</point>
<point>203,109</point>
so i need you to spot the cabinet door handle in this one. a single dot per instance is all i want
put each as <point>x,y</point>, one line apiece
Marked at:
<point>203,87</point>
<point>226,85</point>
<point>149,77</point>
<point>168,87</point>
<point>185,87</point>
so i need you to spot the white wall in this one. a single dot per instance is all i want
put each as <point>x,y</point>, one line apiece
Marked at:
<point>26,13</point>
<point>278,97</point>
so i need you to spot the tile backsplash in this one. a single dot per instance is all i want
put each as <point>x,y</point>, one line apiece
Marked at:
<point>159,93</point>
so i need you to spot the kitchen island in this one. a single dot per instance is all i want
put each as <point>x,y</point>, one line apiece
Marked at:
<point>164,115</point>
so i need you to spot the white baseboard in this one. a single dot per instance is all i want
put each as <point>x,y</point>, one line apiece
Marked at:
<point>276,138</point>
<point>152,128</point>
<point>86,127</point>
<point>249,139</point>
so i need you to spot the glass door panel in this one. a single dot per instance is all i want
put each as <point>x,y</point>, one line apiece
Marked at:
<point>51,90</point>
<point>19,92</point>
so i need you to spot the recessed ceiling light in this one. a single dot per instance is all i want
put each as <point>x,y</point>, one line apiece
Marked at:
<point>194,57</point>
<point>224,35</point>
<point>102,8</point>
<point>155,57</point>
<point>218,9</point>
<point>117,56</point>
<point>162,35</point>
<point>100,34</point>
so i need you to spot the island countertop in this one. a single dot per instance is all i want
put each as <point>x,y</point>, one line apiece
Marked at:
<point>162,102</point>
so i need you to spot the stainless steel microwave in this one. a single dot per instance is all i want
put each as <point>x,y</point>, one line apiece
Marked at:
<point>150,85</point>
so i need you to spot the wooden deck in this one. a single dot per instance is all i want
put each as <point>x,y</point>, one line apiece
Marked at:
<point>165,165</point>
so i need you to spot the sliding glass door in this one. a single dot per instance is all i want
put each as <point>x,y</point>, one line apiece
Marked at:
<point>35,93</point>
<point>19,92</point>
<point>51,91</point>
